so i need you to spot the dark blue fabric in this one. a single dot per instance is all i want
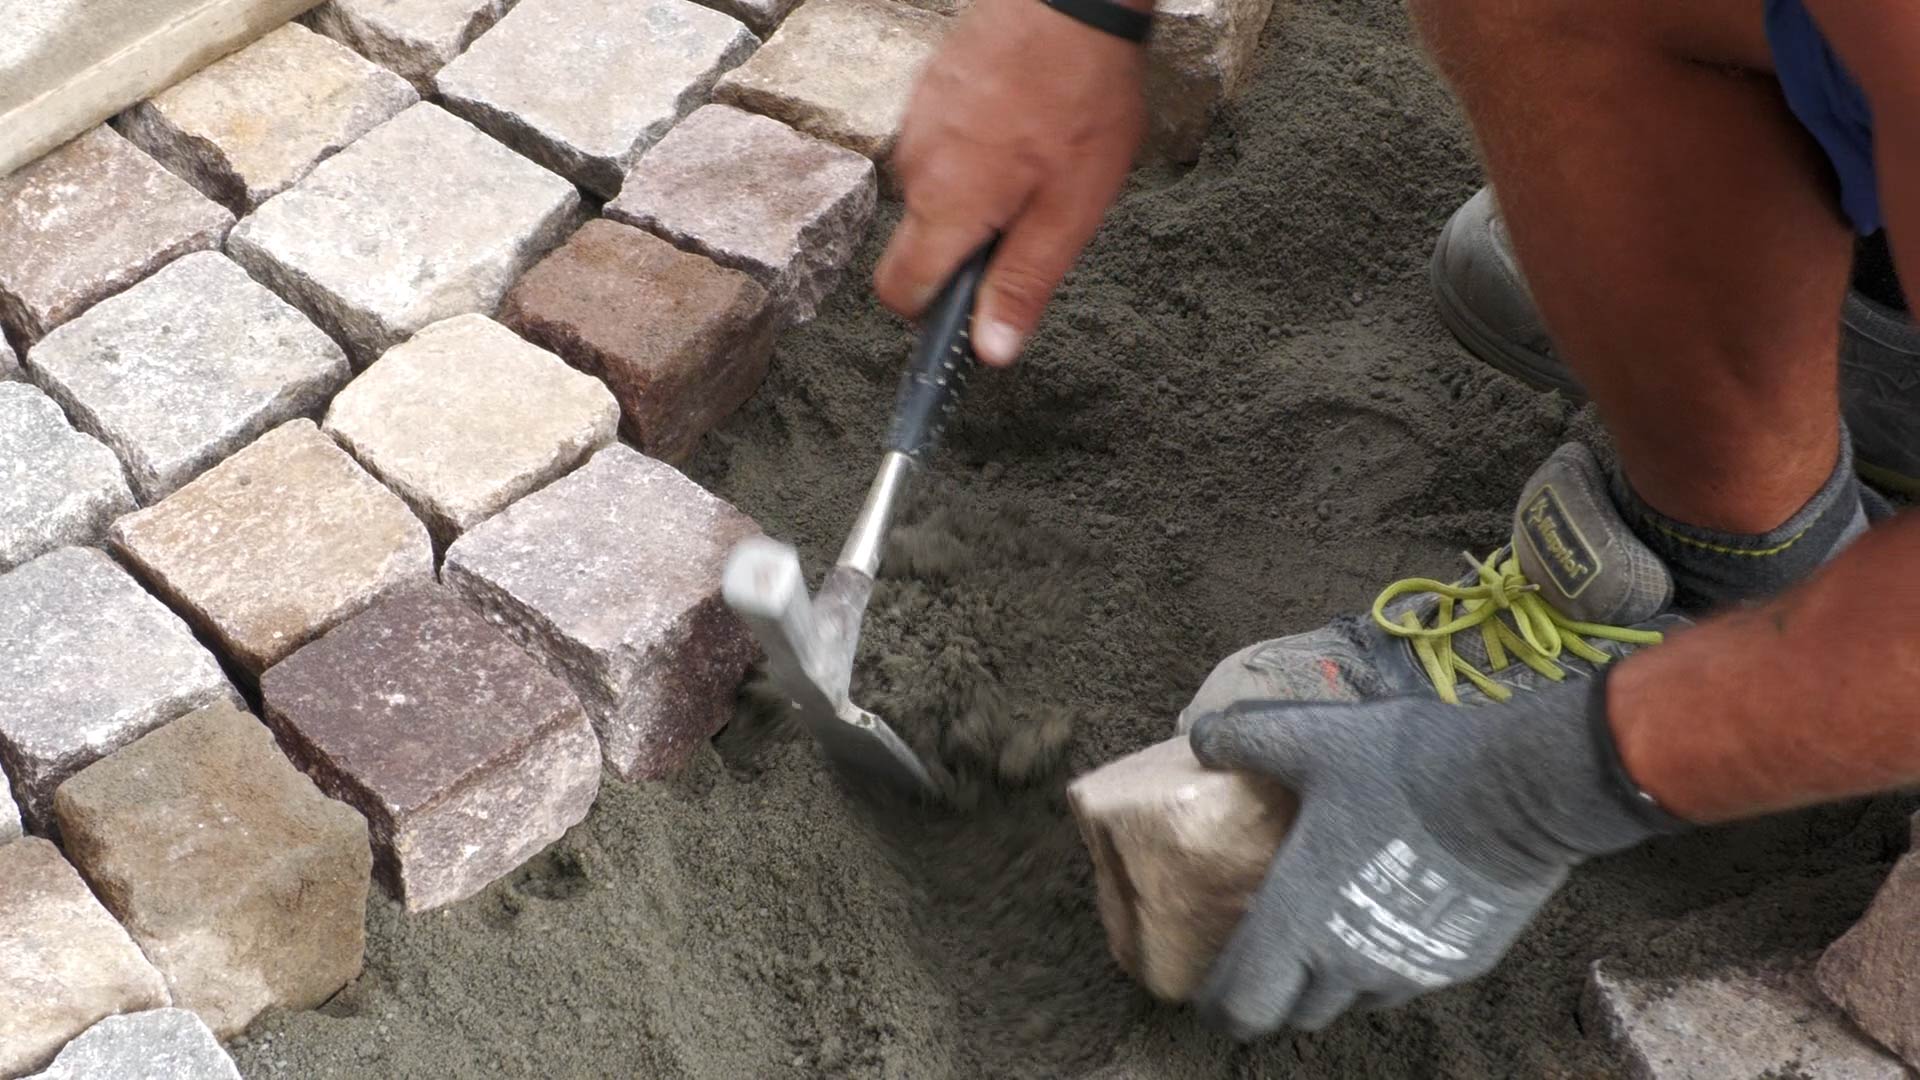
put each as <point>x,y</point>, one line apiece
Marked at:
<point>1823,94</point>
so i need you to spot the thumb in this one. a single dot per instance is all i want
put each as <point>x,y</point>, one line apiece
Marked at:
<point>1276,739</point>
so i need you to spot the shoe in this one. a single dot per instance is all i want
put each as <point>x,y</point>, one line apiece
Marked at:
<point>1573,590</point>
<point>1485,302</point>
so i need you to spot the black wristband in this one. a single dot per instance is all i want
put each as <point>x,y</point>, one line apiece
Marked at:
<point>1105,15</point>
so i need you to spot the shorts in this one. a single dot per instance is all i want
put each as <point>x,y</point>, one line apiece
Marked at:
<point>1828,102</point>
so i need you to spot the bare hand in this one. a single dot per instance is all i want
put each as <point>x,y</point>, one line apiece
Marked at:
<point>1025,121</point>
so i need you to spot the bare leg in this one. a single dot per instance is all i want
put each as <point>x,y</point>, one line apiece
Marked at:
<point>1679,232</point>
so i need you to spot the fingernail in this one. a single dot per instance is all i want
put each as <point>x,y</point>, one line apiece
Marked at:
<point>997,342</point>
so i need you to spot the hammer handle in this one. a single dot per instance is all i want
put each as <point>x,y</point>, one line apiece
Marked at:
<point>942,362</point>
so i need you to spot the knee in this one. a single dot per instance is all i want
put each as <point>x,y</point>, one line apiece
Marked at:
<point>1471,38</point>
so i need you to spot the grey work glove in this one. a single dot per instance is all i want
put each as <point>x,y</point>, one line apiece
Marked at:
<point>1428,836</point>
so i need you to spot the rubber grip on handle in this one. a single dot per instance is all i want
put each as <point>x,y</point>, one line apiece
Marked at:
<point>942,362</point>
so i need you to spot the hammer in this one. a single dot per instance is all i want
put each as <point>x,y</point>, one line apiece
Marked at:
<point>810,641</point>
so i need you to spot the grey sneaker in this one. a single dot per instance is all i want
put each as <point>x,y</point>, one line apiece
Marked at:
<point>1484,300</point>
<point>1573,590</point>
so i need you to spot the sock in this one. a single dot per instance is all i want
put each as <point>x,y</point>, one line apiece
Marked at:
<point>1713,569</point>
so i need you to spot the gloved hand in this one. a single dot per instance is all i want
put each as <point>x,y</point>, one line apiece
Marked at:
<point>1428,836</point>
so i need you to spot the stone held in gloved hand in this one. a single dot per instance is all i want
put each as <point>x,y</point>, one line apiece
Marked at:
<point>1428,837</point>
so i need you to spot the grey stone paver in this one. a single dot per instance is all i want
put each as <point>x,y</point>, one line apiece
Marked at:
<point>1200,57</point>
<point>681,340</point>
<point>583,86</point>
<point>67,963</point>
<point>187,367</point>
<point>1734,1024</point>
<point>839,69</point>
<point>159,1044</point>
<point>57,486</point>
<point>423,218</point>
<point>88,220</point>
<point>245,128</point>
<point>275,545</point>
<point>9,362</point>
<point>754,194</point>
<point>88,663</point>
<point>9,810</point>
<point>612,577</point>
<point>1873,971</point>
<point>413,38</point>
<point>242,883</point>
<point>466,417</point>
<point>465,754</point>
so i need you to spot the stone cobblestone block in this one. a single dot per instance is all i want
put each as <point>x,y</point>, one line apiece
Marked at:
<point>241,883</point>
<point>1199,58</point>
<point>612,577</point>
<point>277,544</point>
<point>584,86</point>
<point>88,663</point>
<point>374,244</point>
<point>187,367</point>
<point>246,127</point>
<point>466,756</point>
<point>753,194</point>
<point>9,362</point>
<point>9,810</point>
<point>57,486</point>
<point>681,340</point>
<point>159,1044</point>
<point>1873,971</point>
<point>413,38</point>
<point>67,964</point>
<point>467,417</point>
<point>839,69</point>
<point>760,16</point>
<point>1737,1024</point>
<point>88,220</point>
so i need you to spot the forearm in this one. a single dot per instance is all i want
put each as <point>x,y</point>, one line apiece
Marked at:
<point>1811,697</point>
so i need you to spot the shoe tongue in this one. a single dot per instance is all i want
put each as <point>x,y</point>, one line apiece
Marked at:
<point>1572,542</point>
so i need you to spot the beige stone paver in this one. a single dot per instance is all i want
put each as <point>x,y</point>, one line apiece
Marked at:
<point>1200,57</point>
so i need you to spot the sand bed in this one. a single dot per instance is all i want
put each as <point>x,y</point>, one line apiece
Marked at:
<point>1241,419</point>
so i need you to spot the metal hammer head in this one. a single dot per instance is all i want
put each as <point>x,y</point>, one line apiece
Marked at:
<point>810,643</point>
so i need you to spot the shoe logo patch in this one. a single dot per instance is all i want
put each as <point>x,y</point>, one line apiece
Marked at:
<point>1569,560</point>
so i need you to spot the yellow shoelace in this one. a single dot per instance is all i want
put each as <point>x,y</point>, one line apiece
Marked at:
<point>1538,633</point>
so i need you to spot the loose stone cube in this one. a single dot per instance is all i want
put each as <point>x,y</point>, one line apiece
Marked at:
<point>612,577</point>
<point>1769,1023</point>
<point>9,810</point>
<point>57,486</point>
<point>169,1043</point>
<point>583,86</point>
<point>1200,56</point>
<point>681,340</point>
<point>88,220</point>
<point>756,195</point>
<point>414,38</point>
<point>277,544</point>
<point>67,963</point>
<point>1873,971</point>
<point>839,69</point>
<point>243,884</point>
<point>245,128</point>
<point>422,219</point>
<point>467,417</point>
<point>186,367</point>
<point>88,663</point>
<point>466,756</point>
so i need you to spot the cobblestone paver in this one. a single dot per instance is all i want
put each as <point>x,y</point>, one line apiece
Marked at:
<point>424,218</point>
<point>186,367</point>
<point>465,754</point>
<point>413,38</point>
<point>583,86</point>
<point>88,663</point>
<point>9,362</point>
<point>467,417</point>
<point>612,577</point>
<point>88,220</point>
<point>160,1044</point>
<point>9,810</point>
<point>66,963</point>
<point>277,544</point>
<point>754,194</point>
<point>57,486</point>
<point>761,16</point>
<point>681,340</point>
<point>246,127</point>
<point>244,885</point>
<point>1873,971</point>
<point>1200,56</point>
<point>839,69</point>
